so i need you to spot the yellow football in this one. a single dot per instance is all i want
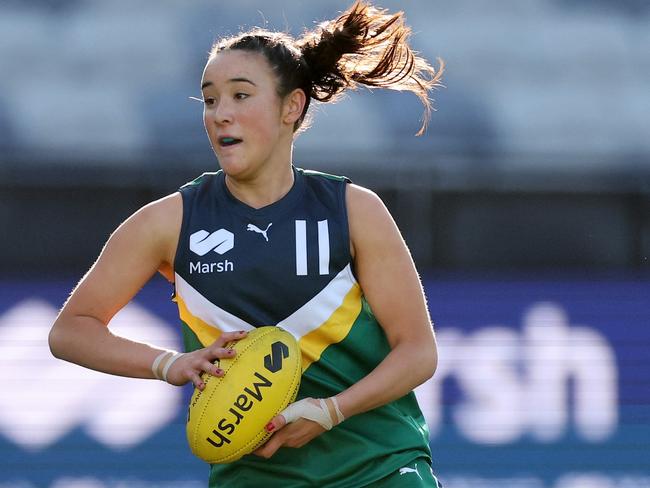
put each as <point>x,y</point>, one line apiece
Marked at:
<point>226,420</point>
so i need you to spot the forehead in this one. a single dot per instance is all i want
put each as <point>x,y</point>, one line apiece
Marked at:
<point>235,64</point>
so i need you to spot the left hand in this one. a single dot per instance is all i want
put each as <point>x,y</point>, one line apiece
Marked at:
<point>295,434</point>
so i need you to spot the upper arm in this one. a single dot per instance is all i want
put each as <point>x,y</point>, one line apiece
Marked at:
<point>385,270</point>
<point>140,246</point>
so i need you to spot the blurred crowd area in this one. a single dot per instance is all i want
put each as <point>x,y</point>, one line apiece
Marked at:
<point>538,155</point>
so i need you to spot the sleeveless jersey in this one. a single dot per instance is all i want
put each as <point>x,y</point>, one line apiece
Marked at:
<point>289,264</point>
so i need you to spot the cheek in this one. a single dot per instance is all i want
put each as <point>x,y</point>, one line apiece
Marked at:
<point>206,123</point>
<point>265,125</point>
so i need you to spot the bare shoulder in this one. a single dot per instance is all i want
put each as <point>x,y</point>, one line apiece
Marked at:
<point>161,220</point>
<point>365,208</point>
<point>362,199</point>
<point>162,213</point>
<point>369,220</point>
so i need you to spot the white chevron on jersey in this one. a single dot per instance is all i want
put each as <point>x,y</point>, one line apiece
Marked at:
<point>208,312</point>
<point>317,310</point>
<point>300,323</point>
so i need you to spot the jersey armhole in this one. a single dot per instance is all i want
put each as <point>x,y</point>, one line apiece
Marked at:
<point>346,226</point>
<point>184,220</point>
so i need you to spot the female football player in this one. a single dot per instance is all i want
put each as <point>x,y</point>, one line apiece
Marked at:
<point>264,242</point>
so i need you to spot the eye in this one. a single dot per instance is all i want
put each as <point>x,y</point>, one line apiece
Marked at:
<point>241,96</point>
<point>208,101</point>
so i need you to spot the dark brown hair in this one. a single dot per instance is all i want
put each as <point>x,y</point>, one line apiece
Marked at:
<point>365,46</point>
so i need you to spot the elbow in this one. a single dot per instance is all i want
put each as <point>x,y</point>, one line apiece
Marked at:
<point>434,362</point>
<point>429,364</point>
<point>432,355</point>
<point>420,360</point>
<point>55,340</point>
<point>421,363</point>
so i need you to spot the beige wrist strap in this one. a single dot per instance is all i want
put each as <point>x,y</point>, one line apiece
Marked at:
<point>163,362</point>
<point>334,410</point>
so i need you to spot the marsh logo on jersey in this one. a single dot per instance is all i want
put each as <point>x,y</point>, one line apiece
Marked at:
<point>202,242</point>
<point>221,241</point>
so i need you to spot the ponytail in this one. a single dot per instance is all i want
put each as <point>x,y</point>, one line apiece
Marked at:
<point>367,46</point>
<point>364,46</point>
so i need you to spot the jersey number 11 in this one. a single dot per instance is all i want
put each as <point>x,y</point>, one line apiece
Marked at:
<point>323,248</point>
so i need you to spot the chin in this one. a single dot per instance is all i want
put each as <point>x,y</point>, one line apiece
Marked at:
<point>235,169</point>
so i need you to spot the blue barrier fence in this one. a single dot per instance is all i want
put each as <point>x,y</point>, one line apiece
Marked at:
<point>542,383</point>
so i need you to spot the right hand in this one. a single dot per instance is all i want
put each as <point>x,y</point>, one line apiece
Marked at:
<point>193,364</point>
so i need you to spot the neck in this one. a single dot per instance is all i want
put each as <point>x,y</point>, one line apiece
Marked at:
<point>260,192</point>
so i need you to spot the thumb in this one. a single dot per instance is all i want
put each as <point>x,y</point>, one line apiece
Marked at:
<point>293,412</point>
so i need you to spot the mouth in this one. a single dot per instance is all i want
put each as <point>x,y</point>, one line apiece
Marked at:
<point>228,141</point>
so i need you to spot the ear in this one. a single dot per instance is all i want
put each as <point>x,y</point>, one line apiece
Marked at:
<point>293,105</point>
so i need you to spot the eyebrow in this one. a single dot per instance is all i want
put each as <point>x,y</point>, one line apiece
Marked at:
<point>231,80</point>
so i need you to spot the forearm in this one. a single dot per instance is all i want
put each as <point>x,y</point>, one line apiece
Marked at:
<point>86,341</point>
<point>405,367</point>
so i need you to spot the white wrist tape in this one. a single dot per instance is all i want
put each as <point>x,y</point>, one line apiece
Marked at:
<point>163,362</point>
<point>326,413</point>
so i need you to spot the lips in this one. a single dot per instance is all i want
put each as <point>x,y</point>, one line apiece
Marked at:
<point>228,141</point>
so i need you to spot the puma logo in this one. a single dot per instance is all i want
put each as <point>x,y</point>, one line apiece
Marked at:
<point>410,470</point>
<point>254,228</point>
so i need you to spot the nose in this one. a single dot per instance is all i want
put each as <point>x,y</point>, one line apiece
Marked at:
<point>222,113</point>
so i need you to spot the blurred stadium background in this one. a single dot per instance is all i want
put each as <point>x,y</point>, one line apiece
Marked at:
<point>526,206</point>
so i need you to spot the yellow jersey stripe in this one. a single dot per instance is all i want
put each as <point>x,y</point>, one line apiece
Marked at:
<point>321,307</point>
<point>205,332</point>
<point>333,330</point>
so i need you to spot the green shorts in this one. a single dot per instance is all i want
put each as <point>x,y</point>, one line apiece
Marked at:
<point>417,474</point>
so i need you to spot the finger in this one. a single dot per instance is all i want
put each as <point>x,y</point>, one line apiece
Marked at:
<point>197,381</point>
<point>268,449</point>
<point>276,423</point>
<point>212,369</point>
<point>260,452</point>
<point>227,337</point>
<point>223,353</point>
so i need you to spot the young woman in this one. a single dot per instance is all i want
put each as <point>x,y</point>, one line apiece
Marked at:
<point>262,242</point>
